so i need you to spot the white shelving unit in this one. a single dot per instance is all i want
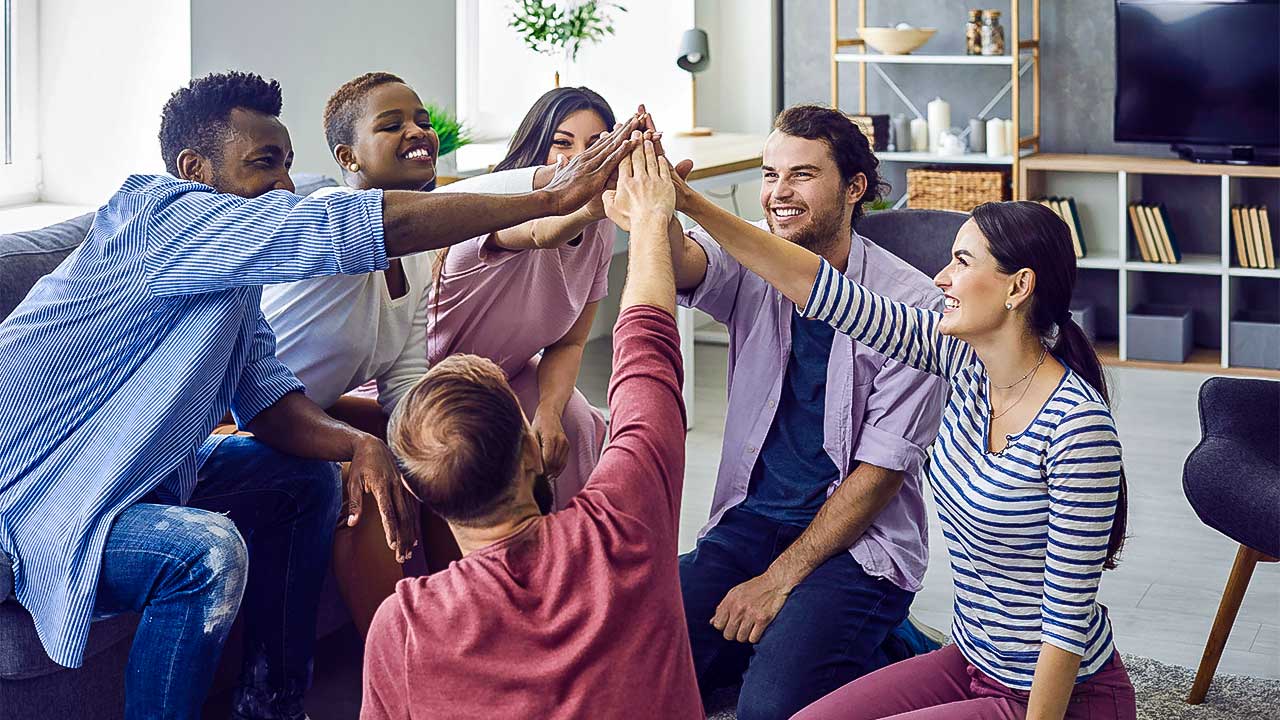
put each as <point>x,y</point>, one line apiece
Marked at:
<point>1023,56</point>
<point>1104,185</point>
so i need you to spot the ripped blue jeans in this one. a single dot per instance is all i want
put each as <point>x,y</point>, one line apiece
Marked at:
<point>259,526</point>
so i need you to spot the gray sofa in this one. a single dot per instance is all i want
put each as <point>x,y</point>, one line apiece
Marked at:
<point>32,685</point>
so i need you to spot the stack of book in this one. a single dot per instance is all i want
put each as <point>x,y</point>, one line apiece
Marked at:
<point>1153,233</point>
<point>1252,233</point>
<point>1065,207</point>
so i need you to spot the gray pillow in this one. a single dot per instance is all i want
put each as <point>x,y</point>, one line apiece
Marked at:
<point>26,257</point>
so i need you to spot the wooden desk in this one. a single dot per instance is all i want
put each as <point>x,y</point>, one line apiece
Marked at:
<point>720,160</point>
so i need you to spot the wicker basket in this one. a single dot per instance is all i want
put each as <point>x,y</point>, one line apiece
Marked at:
<point>942,187</point>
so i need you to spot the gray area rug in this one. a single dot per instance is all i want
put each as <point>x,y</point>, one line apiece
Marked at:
<point>1162,692</point>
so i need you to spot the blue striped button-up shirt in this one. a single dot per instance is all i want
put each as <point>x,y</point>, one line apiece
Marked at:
<point>117,365</point>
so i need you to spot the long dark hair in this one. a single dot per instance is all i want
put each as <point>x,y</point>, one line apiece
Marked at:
<point>1029,235</point>
<point>532,142</point>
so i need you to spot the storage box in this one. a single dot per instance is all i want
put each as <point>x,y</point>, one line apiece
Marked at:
<point>1255,340</point>
<point>1087,318</point>
<point>876,128</point>
<point>1160,332</point>
<point>959,188</point>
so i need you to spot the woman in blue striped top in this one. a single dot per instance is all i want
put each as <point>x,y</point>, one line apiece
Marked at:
<point>1026,471</point>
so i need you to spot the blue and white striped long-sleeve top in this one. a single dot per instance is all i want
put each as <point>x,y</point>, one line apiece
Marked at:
<point>117,365</point>
<point>1026,528</point>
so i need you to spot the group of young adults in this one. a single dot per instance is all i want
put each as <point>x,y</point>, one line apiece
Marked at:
<point>175,398</point>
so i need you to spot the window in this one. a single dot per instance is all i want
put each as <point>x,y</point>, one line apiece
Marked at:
<point>19,156</point>
<point>499,78</point>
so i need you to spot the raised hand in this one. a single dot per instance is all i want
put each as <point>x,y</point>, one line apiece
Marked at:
<point>644,186</point>
<point>586,176</point>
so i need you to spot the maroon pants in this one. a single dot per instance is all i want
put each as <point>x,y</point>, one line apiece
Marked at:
<point>942,685</point>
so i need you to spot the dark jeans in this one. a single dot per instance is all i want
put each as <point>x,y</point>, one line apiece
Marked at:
<point>829,631</point>
<point>186,569</point>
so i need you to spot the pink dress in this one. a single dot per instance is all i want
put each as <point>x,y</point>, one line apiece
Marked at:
<point>508,306</point>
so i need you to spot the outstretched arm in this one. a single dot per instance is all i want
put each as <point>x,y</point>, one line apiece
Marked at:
<point>416,222</point>
<point>905,333</point>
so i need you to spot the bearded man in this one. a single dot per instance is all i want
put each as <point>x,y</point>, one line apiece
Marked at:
<point>817,538</point>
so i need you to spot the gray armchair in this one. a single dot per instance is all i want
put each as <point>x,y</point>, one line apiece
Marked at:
<point>1232,480</point>
<point>921,237</point>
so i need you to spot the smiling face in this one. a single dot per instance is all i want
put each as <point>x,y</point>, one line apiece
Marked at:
<point>395,145</point>
<point>804,198</point>
<point>256,157</point>
<point>975,289</point>
<point>575,134</point>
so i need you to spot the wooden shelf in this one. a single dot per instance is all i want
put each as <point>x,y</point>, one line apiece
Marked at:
<point>1192,264</point>
<point>1202,360</point>
<point>1104,186</point>
<point>928,157</point>
<point>880,59</point>
<point>1142,165</point>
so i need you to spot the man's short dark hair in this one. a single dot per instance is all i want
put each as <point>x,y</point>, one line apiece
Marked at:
<point>846,141</point>
<point>197,116</point>
<point>346,104</point>
<point>458,436</point>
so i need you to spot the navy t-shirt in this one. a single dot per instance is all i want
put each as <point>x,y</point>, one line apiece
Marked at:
<point>790,479</point>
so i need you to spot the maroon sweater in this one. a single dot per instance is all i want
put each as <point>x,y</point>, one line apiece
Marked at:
<point>579,615</point>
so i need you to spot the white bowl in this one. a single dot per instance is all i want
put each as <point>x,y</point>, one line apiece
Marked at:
<point>892,41</point>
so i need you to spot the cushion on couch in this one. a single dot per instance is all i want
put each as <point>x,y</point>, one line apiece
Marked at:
<point>26,257</point>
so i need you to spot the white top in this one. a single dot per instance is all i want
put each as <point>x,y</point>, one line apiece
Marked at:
<point>338,332</point>
<point>1027,528</point>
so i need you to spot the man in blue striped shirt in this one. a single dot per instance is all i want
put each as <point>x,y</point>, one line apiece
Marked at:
<point>118,364</point>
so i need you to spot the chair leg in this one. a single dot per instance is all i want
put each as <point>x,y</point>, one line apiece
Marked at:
<point>1241,571</point>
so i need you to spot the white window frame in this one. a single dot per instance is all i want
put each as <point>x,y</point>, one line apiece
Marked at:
<point>19,104</point>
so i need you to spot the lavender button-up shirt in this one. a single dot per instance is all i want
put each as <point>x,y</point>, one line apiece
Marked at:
<point>878,410</point>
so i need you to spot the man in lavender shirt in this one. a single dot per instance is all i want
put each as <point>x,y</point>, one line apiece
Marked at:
<point>817,538</point>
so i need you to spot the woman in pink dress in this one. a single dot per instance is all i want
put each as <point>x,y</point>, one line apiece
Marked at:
<point>525,297</point>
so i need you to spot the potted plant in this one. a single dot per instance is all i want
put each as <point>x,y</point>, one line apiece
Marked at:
<point>452,133</point>
<point>562,27</point>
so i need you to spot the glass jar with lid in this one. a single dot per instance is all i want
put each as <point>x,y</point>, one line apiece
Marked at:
<point>992,33</point>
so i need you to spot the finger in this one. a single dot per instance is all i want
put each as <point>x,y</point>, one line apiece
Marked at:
<point>657,144</point>
<point>731,629</point>
<point>614,160</point>
<point>650,159</point>
<point>664,169</point>
<point>648,122</point>
<point>744,631</point>
<point>720,619</point>
<point>683,168</point>
<point>638,166</point>
<point>390,521</point>
<point>757,631</point>
<point>355,499</point>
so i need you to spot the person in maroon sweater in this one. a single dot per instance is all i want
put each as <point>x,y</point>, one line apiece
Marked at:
<point>573,614</point>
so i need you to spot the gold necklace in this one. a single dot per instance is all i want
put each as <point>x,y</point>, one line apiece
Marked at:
<point>1043,352</point>
<point>991,407</point>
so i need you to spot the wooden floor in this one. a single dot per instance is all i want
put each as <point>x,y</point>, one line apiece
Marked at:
<point>1161,599</point>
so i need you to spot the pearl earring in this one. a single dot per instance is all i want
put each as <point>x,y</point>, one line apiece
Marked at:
<point>354,167</point>
<point>1008,306</point>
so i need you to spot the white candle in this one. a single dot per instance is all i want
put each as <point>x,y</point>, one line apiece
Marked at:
<point>919,135</point>
<point>996,136</point>
<point>939,112</point>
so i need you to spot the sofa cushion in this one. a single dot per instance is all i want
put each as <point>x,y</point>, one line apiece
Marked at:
<point>26,257</point>
<point>22,656</point>
<point>307,183</point>
<point>921,237</point>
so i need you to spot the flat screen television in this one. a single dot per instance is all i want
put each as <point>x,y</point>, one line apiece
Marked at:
<point>1202,75</point>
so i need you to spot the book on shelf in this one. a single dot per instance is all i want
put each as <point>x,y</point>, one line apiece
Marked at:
<point>1139,236</point>
<point>1170,241</point>
<point>1153,233</point>
<point>1250,246</point>
<point>1262,237</point>
<point>1237,233</point>
<point>1065,208</point>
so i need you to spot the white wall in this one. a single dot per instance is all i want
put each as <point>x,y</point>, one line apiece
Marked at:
<point>636,64</point>
<point>313,46</point>
<point>735,92</point>
<point>106,69</point>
